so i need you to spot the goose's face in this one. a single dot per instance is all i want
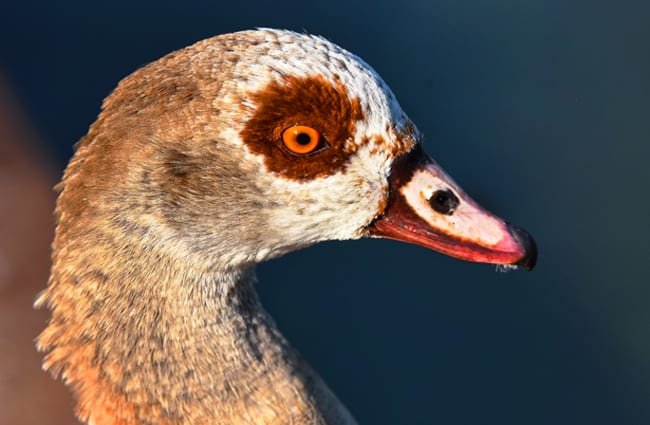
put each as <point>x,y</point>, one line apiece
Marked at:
<point>288,140</point>
<point>352,129</point>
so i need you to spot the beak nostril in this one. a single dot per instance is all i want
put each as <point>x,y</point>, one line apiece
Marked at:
<point>444,202</point>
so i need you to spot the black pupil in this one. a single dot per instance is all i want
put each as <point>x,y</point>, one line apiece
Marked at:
<point>303,139</point>
<point>444,202</point>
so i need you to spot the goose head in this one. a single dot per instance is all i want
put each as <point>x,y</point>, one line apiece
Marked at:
<point>216,157</point>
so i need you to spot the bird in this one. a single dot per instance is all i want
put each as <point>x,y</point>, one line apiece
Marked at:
<point>224,154</point>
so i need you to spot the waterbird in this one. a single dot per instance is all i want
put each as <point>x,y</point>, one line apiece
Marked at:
<point>216,157</point>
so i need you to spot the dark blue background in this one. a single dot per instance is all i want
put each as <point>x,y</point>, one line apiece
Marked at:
<point>539,108</point>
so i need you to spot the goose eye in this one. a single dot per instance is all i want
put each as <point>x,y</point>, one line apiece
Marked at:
<point>301,140</point>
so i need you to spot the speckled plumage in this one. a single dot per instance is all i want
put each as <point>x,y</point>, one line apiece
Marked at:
<point>163,212</point>
<point>182,185</point>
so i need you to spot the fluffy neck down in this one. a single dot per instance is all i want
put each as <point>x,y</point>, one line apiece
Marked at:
<point>157,342</point>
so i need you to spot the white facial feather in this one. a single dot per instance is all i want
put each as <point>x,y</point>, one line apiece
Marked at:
<point>338,206</point>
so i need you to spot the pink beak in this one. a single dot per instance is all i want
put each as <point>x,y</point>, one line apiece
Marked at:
<point>426,207</point>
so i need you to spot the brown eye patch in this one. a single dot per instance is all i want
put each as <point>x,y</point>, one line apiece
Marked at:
<point>305,101</point>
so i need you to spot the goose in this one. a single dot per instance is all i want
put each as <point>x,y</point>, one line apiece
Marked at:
<point>216,157</point>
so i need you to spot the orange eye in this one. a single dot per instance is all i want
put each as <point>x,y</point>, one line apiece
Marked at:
<point>301,140</point>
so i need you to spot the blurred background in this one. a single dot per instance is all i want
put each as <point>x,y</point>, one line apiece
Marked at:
<point>539,108</point>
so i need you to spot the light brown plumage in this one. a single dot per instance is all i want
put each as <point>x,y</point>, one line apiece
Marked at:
<point>180,187</point>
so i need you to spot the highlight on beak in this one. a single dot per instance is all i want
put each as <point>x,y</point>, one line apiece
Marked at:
<point>426,207</point>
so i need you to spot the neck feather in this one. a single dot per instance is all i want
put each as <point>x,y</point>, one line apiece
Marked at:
<point>155,341</point>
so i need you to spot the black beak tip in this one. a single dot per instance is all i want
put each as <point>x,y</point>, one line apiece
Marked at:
<point>527,242</point>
